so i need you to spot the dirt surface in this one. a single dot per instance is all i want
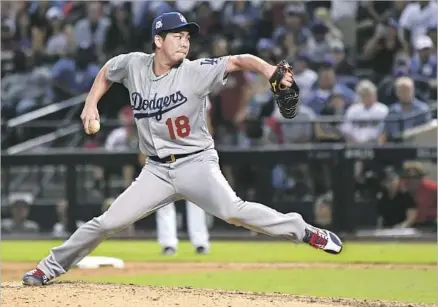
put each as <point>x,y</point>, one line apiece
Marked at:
<point>84,294</point>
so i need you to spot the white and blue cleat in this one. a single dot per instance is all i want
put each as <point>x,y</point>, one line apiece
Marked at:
<point>35,277</point>
<point>323,239</point>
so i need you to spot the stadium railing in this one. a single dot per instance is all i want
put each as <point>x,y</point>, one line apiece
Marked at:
<point>37,126</point>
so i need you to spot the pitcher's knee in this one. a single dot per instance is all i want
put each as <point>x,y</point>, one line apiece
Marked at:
<point>233,214</point>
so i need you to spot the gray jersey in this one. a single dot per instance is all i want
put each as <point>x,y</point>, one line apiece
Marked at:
<point>170,110</point>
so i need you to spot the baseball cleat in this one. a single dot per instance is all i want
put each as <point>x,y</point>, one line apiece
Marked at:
<point>323,239</point>
<point>201,250</point>
<point>36,277</point>
<point>168,251</point>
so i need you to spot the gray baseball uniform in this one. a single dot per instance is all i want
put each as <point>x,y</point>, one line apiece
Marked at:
<point>170,115</point>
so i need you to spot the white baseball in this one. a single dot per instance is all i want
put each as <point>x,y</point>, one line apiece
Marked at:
<point>94,126</point>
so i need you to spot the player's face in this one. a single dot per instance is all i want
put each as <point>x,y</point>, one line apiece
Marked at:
<point>176,46</point>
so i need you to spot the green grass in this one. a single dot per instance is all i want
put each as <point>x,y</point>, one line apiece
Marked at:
<point>374,284</point>
<point>238,252</point>
<point>409,285</point>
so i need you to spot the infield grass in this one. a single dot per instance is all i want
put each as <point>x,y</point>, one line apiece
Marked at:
<point>237,252</point>
<point>408,285</point>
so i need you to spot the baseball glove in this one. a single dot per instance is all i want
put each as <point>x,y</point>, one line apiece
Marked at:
<point>285,97</point>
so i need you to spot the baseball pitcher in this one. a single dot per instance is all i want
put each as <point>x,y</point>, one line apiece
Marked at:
<point>168,97</point>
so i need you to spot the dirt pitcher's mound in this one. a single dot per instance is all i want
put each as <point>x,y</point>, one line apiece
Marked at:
<point>85,294</point>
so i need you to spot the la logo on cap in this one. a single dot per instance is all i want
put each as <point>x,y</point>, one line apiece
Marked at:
<point>183,19</point>
<point>159,24</point>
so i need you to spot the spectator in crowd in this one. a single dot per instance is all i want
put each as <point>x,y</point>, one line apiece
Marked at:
<point>329,129</point>
<point>266,23</point>
<point>15,100</point>
<point>343,14</point>
<point>237,23</point>
<point>240,14</point>
<point>9,13</point>
<point>364,120</point>
<point>384,48</point>
<point>294,34</point>
<point>60,228</point>
<point>417,17</point>
<point>424,191</point>
<point>23,31</point>
<point>60,41</point>
<point>323,14</point>
<point>320,44</point>
<point>208,20</point>
<point>19,223</point>
<point>304,76</point>
<point>408,112</point>
<point>325,86</point>
<point>342,65</point>
<point>41,29</point>
<point>91,30</point>
<point>72,76</point>
<point>424,62</point>
<point>379,11</point>
<point>121,35</point>
<point>396,207</point>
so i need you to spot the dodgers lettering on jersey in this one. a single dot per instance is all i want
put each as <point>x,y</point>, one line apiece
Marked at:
<point>169,110</point>
<point>157,105</point>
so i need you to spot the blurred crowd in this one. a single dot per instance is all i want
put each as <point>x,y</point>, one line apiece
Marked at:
<point>52,50</point>
<point>367,70</point>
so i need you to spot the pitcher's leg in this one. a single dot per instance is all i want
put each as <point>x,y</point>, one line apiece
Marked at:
<point>197,226</point>
<point>215,196</point>
<point>167,227</point>
<point>146,194</point>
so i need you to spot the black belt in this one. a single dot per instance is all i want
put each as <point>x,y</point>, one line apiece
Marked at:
<point>172,158</point>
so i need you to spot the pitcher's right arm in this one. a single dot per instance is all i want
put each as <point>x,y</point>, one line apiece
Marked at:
<point>100,86</point>
<point>115,70</point>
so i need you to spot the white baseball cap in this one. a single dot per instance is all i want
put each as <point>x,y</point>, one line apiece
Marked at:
<point>423,42</point>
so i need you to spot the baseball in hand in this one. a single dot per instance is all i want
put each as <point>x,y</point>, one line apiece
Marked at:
<point>94,126</point>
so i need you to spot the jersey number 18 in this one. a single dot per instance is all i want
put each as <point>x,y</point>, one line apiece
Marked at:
<point>179,127</point>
